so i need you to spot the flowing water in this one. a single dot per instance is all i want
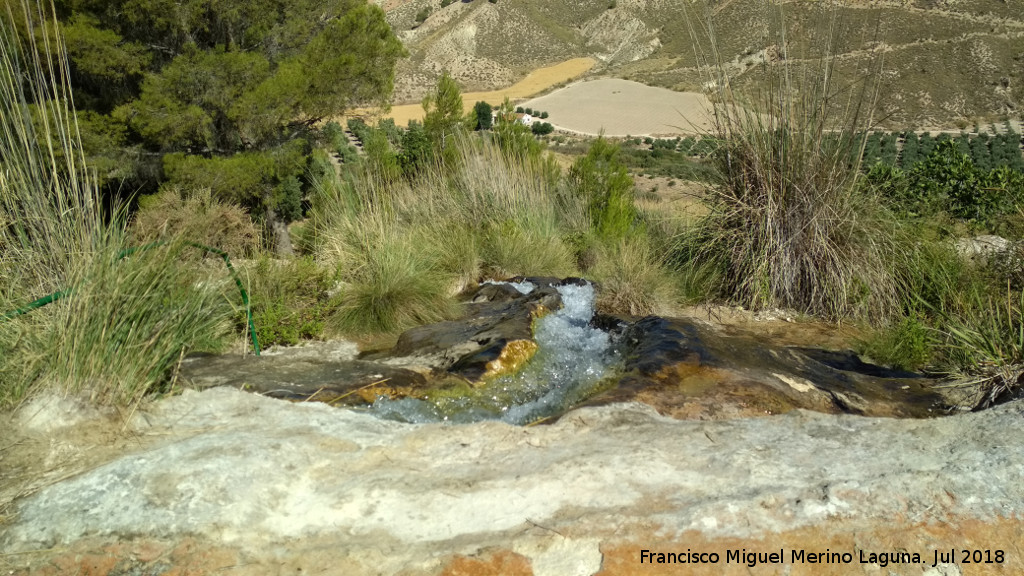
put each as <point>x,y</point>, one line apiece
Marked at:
<point>571,359</point>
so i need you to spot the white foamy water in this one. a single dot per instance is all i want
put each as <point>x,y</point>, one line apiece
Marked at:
<point>521,287</point>
<point>571,359</point>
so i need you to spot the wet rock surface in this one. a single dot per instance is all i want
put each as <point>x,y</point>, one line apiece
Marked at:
<point>686,369</point>
<point>493,338</point>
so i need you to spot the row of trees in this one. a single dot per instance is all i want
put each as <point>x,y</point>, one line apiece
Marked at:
<point>392,152</point>
<point>986,151</point>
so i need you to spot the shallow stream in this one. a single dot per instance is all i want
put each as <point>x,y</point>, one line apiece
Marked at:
<point>571,360</point>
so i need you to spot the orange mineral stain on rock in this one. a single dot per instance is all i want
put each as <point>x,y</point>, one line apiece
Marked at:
<point>498,563</point>
<point>513,357</point>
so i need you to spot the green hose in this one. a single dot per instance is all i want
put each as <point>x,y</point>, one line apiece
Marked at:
<point>128,252</point>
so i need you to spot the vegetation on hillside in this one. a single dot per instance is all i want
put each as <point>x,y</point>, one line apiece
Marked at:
<point>122,320</point>
<point>808,209</point>
<point>220,95</point>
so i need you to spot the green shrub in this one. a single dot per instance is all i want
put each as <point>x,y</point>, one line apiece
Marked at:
<point>949,182</point>
<point>984,344</point>
<point>600,179</point>
<point>289,300</point>
<point>632,278</point>
<point>335,136</point>
<point>909,344</point>
<point>422,15</point>
<point>542,128</point>
<point>394,289</point>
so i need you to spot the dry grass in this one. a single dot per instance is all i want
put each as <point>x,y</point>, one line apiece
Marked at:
<point>198,216</point>
<point>404,248</point>
<point>633,279</point>
<point>790,227</point>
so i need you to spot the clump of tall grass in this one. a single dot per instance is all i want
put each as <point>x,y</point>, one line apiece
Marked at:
<point>790,226</point>
<point>198,216</point>
<point>984,344</point>
<point>403,248</point>
<point>123,322</point>
<point>633,279</point>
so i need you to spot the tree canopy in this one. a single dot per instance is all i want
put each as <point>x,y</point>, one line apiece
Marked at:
<point>172,90</point>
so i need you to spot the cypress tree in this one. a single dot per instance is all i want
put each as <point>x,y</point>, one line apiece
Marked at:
<point>911,153</point>
<point>980,153</point>
<point>927,145</point>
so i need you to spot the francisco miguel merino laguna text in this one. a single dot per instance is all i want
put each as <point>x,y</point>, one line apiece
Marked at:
<point>752,559</point>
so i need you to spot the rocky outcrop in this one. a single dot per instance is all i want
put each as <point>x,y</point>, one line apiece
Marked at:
<point>685,369</point>
<point>225,482</point>
<point>494,338</point>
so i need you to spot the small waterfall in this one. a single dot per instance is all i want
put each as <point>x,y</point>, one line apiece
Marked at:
<point>571,359</point>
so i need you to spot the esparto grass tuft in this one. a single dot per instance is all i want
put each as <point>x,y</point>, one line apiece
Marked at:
<point>790,225</point>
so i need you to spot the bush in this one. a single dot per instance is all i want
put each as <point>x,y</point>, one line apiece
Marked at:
<point>541,128</point>
<point>334,135</point>
<point>982,344</point>
<point>906,345</point>
<point>948,182</point>
<point>789,226</point>
<point>601,180</point>
<point>632,278</point>
<point>422,16</point>
<point>195,216</point>
<point>289,300</point>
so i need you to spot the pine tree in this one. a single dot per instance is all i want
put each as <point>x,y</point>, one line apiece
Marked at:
<point>444,114</point>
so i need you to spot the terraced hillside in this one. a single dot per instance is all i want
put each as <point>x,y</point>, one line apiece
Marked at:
<point>942,62</point>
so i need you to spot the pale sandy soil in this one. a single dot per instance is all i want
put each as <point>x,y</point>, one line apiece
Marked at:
<point>534,83</point>
<point>622,107</point>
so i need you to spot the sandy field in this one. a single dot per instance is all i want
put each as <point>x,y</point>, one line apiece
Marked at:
<point>534,83</point>
<point>623,107</point>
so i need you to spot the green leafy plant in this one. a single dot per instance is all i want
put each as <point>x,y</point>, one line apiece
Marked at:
<point>601,180</point>
<point>290,300</point>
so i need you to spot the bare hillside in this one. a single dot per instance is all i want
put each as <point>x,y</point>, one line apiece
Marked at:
<point>942,62</point>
